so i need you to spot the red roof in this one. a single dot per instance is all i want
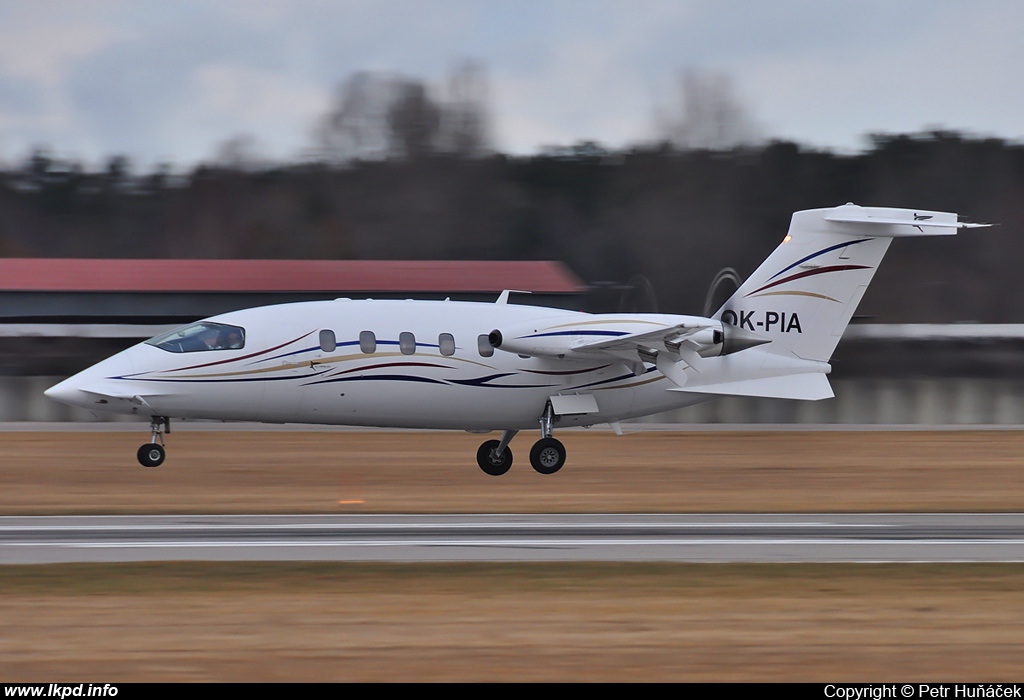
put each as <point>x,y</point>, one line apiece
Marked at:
<point>117,275</point>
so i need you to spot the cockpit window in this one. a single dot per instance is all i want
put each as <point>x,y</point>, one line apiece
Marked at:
<point>200,337</point>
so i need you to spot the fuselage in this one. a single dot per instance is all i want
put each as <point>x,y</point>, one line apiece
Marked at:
<point>408,364</point>
<point>482,367</point>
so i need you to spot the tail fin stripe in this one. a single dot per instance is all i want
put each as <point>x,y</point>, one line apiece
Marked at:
<point>814,255</point>
<point>793,293</point>
<point>809,273</point>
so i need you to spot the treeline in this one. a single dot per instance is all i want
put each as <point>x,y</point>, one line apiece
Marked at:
<point>647,227</point>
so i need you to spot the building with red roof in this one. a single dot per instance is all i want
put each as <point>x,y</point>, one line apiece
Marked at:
<point>58,315</point>
<point>433,277</point>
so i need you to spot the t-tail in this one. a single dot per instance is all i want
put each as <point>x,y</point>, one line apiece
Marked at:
<point>804,295</point>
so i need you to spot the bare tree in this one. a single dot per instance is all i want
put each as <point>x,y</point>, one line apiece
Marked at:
<point>709,116</point>
<point>466,127</point>
<point>239,153</point>
<point>414,121</point>
<point>376,116</point>
<point>356,127</point>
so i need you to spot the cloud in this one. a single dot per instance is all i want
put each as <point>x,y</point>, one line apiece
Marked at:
<point>261,103</point>
<point>171,80</point>
<point>940,68</point>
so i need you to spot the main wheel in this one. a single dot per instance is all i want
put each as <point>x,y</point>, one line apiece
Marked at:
<point>151,455</point>
<point>489,463</point>
<point>547,455</point>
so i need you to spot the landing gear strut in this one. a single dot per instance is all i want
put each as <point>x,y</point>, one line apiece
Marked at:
<point>152,454</point>
<point>547,455</point>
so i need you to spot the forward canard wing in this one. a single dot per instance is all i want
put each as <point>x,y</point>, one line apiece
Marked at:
<point>108,392</point>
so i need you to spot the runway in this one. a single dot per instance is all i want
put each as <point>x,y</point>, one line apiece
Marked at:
<point>962,537</point>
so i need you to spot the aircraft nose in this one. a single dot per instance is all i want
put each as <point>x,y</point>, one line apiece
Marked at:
<point>81,389</point>
<point>67,392</point>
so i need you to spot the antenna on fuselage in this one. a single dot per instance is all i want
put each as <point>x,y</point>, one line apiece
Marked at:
<point>503,297</point>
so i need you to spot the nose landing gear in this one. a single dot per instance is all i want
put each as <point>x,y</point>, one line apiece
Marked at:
<point>152,454</point>
<point>546,457</point>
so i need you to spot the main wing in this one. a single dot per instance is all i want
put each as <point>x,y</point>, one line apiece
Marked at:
<point>672,347</point>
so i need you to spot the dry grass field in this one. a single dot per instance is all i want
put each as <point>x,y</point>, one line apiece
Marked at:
<point>523,622</point>
<point>346,622</point>
<point>436,472</point>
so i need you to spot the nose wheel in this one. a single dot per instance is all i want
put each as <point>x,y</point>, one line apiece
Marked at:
<point>152,454</point>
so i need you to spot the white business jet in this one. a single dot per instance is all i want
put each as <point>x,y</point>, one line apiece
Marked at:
<point>482,367</point>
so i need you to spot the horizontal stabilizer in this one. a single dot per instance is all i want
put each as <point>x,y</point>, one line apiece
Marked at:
<point>806,387</point>
<point>909,222</point>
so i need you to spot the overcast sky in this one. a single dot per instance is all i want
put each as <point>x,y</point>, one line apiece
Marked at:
<point>169,80</point>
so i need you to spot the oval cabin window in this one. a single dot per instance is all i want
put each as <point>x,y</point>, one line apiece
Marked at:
<point>368,342</point>
<point>328,341</point>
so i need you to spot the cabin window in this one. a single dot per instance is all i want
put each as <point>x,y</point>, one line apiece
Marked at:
<point>328,341</point>
<point>483,344</point>
<point>407,343</point>
<point>201,337</point>
<point>446,343</point>
<point>368,342</point>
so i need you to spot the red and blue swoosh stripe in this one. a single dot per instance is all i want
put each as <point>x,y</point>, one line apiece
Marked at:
<point>815,271</point>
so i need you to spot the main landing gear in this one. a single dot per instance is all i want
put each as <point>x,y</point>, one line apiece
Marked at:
<point>152,454</point>
<point>546,457</point>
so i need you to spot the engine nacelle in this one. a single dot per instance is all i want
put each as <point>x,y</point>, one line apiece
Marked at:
<point>534,342</point>
<point>723,340</point>
<point>706,337</point>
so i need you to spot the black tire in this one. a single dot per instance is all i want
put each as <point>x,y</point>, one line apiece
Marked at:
<point>151,455</point>
<point>485,458</point>
<point>547,455</point>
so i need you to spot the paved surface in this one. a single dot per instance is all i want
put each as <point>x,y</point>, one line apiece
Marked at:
<point>696,538</point>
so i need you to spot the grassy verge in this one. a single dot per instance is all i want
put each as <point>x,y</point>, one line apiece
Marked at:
<point>574,621</point>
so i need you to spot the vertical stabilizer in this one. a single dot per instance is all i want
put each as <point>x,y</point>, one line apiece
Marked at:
<point>803,296</point>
